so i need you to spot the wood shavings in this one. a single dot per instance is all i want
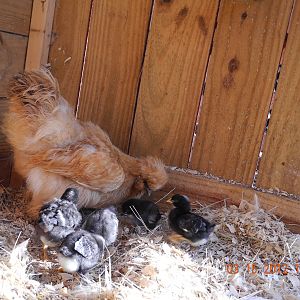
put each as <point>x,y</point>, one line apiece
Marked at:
<point>143,265</point>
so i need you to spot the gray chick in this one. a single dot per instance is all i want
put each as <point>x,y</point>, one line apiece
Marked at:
<point>80,251</point>
<point>58,219</point>
<point>103,222</point>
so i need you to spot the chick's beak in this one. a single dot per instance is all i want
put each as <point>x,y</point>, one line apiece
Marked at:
<point>169,200</point>
<point>148,190</point>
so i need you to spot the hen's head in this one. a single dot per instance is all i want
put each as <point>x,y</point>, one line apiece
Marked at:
<point>151,175</point>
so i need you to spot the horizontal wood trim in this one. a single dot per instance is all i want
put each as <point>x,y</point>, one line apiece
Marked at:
<point>209,191</point>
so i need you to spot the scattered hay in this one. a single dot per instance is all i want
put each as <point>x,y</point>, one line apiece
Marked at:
<point>144,265</point>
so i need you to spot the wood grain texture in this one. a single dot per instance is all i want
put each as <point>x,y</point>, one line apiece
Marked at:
<point>240,80</point>
<point>4,147</point>
<point>113,63</point>
<point>175,62</point>
<point>280,165</point>
<point>40,34</point>
<point>15,16</point>
<point>12,58</point>
<point>209,191</point>
<point>66,54</point>
<point>5,170</point>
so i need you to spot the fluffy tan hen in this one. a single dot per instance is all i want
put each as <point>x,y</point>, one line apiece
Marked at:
<point>53,150</point>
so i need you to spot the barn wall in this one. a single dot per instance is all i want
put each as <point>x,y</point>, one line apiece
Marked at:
<point>14,30</point>
<point>192,82</point>
<point>189,81</point>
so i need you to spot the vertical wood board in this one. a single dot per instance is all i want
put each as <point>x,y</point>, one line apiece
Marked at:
<point>40,34</point>
<point>280,165</point>
<point>70,28</point>
<point>241,74</point>
<point>173,73</point>
<point>115,52</point>
<point>15,16</point>
<point>12,58</point>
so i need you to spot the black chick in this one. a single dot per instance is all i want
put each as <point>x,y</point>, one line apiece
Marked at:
<point>80,251</point>
<point>58,218</point>
<point>142,209</point>
<point>187,225</point>
<point>103,222</point>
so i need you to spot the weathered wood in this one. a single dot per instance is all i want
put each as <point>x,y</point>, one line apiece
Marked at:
<point>173,73</point>
<point>40,33</point>
<point>66,54</point>
<point>240,80</point>
<point>5,170</point>
<point>280,165</point>
<point>4,147</point>
<point>114,57</point>
<point>12,58</point>
<point>212,191</point>
<point>15,16</point>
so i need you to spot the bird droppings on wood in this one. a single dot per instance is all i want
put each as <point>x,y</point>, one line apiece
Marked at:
<point>142,265</point>
<point>202,25</point>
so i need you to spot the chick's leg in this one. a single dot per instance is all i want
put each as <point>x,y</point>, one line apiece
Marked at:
<point>176,238</point>
<point>45,252</point>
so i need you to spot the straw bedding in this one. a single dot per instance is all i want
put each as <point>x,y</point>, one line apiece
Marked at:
<point>144,265</point>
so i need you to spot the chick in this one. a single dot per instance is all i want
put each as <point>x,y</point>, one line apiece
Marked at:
<point>188,226</point>
<point>142,209</point>
<point>80,251</point>
<point>103,222</point>
<point>58,218</point>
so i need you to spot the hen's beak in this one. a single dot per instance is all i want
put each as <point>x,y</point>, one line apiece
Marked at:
<point>169,200</point>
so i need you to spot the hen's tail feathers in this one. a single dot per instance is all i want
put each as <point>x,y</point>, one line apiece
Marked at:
<point>153,172</point>
<point>37,91</point>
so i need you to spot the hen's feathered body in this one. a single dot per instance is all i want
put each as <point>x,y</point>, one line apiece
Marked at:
<point>53,150</point>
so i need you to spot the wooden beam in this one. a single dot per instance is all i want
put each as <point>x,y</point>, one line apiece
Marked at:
<point>40,33</point>
<point>205,190</point>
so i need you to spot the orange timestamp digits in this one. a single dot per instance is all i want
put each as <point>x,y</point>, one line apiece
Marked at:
<point>268,269</point>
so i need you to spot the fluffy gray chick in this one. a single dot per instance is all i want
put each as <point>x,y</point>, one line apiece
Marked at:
<point>59,218</point>
<point>103,222</point>
<point>80,251</point>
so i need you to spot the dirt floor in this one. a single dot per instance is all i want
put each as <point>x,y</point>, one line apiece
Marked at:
<point>252,255</point>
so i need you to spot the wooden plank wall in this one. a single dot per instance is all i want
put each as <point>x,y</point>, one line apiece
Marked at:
<point>188,81</point>
<point>280,167</point>
<point>14,30</point>
<point>174,69</point>
<point>240,80</point>
<point>115,52</point>
<point>69,34</point>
